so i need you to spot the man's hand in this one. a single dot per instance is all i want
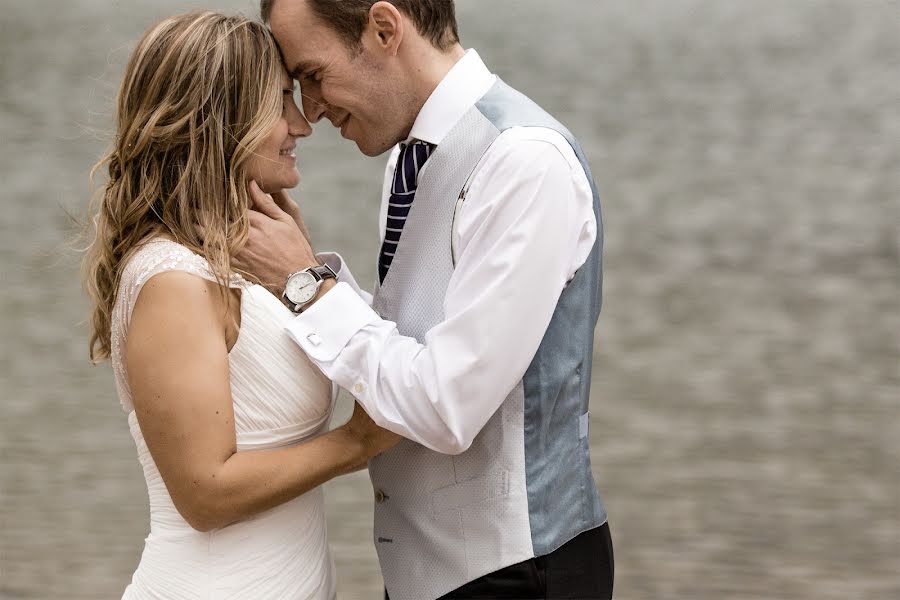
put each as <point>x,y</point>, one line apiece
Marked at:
<point>278,244</point>
<point>287,204</point>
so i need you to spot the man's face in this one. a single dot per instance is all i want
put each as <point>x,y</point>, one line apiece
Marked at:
<point>364,94</point>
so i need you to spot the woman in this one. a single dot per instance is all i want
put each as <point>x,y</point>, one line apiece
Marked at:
<point>227,414</point>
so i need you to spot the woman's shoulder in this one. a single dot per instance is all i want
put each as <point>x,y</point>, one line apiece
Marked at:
<point>154,257</point>
<point>158,255</point>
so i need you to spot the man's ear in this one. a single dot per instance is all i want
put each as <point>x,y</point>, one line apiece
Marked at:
<point>387,25</point>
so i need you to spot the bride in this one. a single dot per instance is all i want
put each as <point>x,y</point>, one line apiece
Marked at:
<point>228,415</point>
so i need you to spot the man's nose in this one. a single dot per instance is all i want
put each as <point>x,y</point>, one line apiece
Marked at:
<point>313,105</point>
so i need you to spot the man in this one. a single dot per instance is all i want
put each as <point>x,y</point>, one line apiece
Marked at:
<point>478,342</point>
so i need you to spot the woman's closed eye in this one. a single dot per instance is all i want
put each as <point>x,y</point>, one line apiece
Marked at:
<point>287,93</point>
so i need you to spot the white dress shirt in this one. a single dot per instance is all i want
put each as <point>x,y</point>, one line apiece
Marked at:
<point>525,228</point>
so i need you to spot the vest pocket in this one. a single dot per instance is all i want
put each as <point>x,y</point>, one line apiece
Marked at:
<point>471,491</point>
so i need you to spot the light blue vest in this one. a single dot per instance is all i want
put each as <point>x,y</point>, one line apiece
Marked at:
<point>525,485</point>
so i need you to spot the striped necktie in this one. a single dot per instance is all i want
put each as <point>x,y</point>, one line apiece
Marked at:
<point>403,191</point>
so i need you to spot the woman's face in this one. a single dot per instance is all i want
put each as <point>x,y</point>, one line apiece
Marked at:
<point>274,165</point>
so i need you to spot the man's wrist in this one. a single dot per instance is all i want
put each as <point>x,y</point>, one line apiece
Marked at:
<point>326,286</point>
<point>278,287</point>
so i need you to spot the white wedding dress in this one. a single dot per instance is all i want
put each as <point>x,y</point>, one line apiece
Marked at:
<point>280,399</point>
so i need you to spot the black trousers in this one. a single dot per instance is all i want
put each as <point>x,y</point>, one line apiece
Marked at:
<point>581,569</point>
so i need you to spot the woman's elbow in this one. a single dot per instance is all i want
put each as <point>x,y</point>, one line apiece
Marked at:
<point>200,520</point>
<point>204,512</point>
<point>201,524</point>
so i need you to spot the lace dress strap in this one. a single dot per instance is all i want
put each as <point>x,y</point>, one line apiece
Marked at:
<point>153,257</point>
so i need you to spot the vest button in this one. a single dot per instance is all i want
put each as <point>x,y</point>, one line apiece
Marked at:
<point>379,496</point>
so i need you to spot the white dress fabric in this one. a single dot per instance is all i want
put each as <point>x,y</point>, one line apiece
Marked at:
<point>280,399</point>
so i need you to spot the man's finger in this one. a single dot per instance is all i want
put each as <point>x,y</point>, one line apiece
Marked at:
<point>284,201</point>
<point>257,219</point>
<point>264,203</point>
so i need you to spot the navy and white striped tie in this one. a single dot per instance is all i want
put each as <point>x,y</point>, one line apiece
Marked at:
<point>403,191</point>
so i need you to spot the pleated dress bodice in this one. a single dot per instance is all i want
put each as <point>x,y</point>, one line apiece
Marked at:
<point>280,399</point>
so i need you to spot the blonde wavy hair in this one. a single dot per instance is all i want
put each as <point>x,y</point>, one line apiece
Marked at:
<point>201,92</point>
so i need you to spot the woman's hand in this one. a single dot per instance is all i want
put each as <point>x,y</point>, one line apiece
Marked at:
<point>373,439</point>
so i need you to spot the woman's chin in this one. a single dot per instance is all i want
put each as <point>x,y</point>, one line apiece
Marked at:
<point>273,187</point>
<point>270,188</point>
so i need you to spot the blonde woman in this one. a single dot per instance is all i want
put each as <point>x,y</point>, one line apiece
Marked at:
<point>228,415</point>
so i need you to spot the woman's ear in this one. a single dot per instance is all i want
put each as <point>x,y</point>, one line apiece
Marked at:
<point>387,24</point>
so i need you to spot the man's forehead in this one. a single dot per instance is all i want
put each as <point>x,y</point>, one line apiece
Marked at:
<point>290,8</point>
<point>294,16</point>
<point>299,33</point>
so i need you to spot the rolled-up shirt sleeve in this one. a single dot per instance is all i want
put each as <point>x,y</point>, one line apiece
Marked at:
<point>523,232</point>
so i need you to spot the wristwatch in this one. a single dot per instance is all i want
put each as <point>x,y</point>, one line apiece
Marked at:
<point>302,286</point>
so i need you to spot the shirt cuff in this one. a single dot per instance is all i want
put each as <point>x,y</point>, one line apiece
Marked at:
<point>332,259</point>
<point>339,266</point>
<point>324,329</point>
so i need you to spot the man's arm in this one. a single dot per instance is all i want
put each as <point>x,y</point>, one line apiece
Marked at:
<point>522,237</point>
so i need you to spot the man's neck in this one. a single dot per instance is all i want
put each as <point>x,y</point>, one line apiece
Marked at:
<point>431,66</point>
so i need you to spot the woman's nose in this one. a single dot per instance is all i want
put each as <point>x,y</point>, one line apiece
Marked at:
<point>299,126</point>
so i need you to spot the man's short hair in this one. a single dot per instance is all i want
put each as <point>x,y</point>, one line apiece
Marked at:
<point>435,20</point>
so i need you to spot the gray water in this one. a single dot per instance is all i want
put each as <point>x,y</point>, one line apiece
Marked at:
<point>746,396</point>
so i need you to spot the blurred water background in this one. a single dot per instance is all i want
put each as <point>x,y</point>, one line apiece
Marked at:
<point>746,395</point>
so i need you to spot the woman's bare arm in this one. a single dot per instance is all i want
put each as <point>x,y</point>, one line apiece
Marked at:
<point>177,362</point>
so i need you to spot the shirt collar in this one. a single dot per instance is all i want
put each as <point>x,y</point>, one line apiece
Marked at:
<point>458,91</point>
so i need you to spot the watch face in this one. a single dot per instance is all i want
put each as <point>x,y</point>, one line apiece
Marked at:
<point>301,288</point>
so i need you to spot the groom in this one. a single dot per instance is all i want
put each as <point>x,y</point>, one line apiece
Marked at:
<point>477,344</point>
